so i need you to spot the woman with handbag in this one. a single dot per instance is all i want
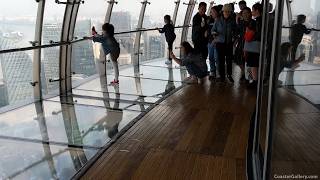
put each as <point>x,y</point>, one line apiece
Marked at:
<point>252,43</point>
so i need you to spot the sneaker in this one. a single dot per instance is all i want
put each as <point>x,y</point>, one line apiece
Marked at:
<point>114,82</point>
<point>230,78</point>
<point>168,62</point>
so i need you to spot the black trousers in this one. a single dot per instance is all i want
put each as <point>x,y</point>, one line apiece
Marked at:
<point>170,48</point>
<point>225,56</point>
<point>201,48</point>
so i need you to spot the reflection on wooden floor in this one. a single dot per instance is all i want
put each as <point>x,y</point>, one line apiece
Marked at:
<point>200,132</point>
<point>296,147</point>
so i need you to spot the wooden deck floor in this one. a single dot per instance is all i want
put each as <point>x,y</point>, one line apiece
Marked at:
<point>296,148</point>
<point>200,132</point>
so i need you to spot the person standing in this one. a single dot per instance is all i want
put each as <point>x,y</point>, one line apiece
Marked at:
<point>224,30</point>
<point>200,31</point>
<point>213,55</point>
<point>242,25</point>
<point>168,30</point>
<point>297,32</point>
<point>253,56</point>
<point>110,46</point>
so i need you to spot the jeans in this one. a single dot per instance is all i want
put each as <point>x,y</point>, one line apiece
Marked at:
<point>213,57</point>
<point>194,70</point>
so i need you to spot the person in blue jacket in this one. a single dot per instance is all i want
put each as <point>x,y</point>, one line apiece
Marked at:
<point>110,46</point>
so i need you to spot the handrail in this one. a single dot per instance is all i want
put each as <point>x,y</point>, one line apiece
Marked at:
<point>311,29</point>
<point>74,41</point>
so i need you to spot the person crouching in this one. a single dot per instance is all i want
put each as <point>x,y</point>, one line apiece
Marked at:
<point>196,67</point>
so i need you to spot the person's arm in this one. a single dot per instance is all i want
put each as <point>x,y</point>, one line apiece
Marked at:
<point>295,63</point>
<point>98,38</point>
<point>306,30</point>
<point>177,60</point>
<point>162,30</point>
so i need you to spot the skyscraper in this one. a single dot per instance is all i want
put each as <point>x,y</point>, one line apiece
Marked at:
<point>82,52</point>
<point>50,59</point>
<point>16,74</point>
<point>82,64</point>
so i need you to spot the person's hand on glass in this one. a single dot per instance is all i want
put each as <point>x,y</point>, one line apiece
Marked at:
<point>172,55</point>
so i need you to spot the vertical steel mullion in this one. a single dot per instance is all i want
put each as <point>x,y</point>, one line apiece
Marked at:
<point>64,49</point>
<point>210,6</point>
<point>184,34</point>
<point>187,20</point>
<point>272,109</point>
<point>136,58</point>
<point>37,53</point>
<point>109,11</point>
<point>175,13</point>
<point>72,25</point>
<point>262,62</point>
<point>260,91</point>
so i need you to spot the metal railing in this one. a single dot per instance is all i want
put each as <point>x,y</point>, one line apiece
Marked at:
<point>57,44</point>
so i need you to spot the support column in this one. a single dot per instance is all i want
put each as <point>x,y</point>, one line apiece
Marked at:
<point>109,11</point>
<point>137,52</point>
<point>68,26</point>
<point>37,53</point>
<point>175,13</point>
<point>187,19</point>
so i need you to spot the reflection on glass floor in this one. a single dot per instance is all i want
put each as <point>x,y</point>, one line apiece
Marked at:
<point>53,139</point>
<point>304,80</point>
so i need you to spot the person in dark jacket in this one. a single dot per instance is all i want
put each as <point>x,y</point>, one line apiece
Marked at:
<point>224,30</point>
<point>200,31</point>
<point>196,67</point>
<point>168,30</point>
<point>297,32</point>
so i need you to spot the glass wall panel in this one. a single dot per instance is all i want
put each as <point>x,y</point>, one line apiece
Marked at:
<point>179,22</point>
<point>17,29</point>
<point>153,44</point>
<point>296,118</point>
<point>15,76</point>
<point>51,33</point>
<point>17,23</point>
<point>85,54</point>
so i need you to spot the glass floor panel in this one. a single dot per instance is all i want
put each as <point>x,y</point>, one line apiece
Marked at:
<point>76,125</point>
<point>108,104</point>
<point>161,63</point>
<point>113,95</point>
<point>40,161</point>
<point>158,73</point>
<point>310,92</point>
<point>134,86</point>
<point>300,77</point>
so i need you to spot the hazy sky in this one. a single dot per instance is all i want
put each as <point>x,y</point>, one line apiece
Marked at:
<point>94,8</point>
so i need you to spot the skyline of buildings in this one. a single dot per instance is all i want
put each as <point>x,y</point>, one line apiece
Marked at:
<point>14,81</point>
